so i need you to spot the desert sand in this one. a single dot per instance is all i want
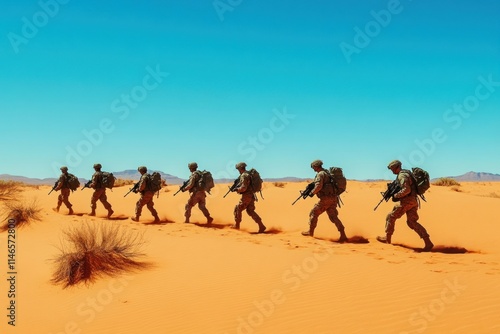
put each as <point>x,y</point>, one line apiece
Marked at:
<point>219,280</point>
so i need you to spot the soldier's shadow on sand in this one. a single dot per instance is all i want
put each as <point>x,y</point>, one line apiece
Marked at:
<point>117,218</point>
<point>352,240</point>
<point>271,230</point>
<point>212,225</point>
<point>438,249</point>
<point>161,222</point>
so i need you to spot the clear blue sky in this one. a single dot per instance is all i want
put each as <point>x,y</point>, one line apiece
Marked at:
<point>276,84</point>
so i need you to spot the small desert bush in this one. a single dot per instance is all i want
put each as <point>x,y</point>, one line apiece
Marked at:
<point>457,189</point>
<point>22,213</point>
<point>493,195</point>
<point>279,184</point>
<point>123,182</point>
<point>9,190</point>
<point>90,251</point>
<point>446,182</point>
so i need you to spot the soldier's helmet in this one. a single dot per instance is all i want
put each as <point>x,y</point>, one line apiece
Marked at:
<point>64,169</point>
<point>97,166</point>
<point>316,163</point>
<point>192,165</point>
<point>240,165</point>
<point>394,164</point>
<point>142,169</point>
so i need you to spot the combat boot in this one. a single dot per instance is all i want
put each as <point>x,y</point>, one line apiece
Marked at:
<point>70,211</point>
<point>186,221</point>
<point>236,226</point>
<point>110,212</point>
<point>309,233</point>
<point>428,244</point>
<point>209,220</point>
<point>262,228</point>
<point>56,209</point>
<point>343,237</point>
<point>136,218</point>
<point>157,219</point>
<point>386,239</point>
<point>92,213</point>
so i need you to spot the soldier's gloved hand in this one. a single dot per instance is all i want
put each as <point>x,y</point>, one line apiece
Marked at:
<point>135,191</point>
<point>394,199</point>
<point>311,195</point>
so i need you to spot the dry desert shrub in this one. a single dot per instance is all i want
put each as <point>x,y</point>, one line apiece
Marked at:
<point>445,182</point>
<point>493,195</point>
<point>279,184</point>
<point>9,190</point>
<point>22,214</point>
<point>123,182</point>
<point>90,251</point>
<point>457,189</point>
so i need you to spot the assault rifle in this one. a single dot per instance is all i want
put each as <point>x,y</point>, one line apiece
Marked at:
<point>392,189</point>
<point>233,187</point>
<point>87,185</point>
<point>134,189</point>
<point>54,187</point>
<point>181,188</point>
<point>306,192</point>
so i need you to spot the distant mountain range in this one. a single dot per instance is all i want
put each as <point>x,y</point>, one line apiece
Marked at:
<point>132,174</point>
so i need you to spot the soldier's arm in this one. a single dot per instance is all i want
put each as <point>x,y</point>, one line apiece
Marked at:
<point>318,184</point>
<point>94,181</point>
<point>60,183</point>
<point>191,182</point>
<point>244,183</point>
<point>405,183</point>
<point>142,183</point>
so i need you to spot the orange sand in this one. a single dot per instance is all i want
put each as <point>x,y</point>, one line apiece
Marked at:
<point>219,280</point>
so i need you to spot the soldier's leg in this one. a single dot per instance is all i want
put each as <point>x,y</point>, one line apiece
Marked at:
<point>238,212</point>
<point>333,214</point>
<point>151,207</point>
<point>138,208</point>
<point>202,205</point>
<point>251,212</point>
<point>390,221</point>
<point>93,202</point>
<point>104,200</point>
<point>316,211</point>
<point>65,193</point>
<point>412,221</point>
<point>187,209</point>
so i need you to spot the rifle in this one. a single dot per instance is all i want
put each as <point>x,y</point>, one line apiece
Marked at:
<point>134,189</point>
<point>392,188</point>
<point>54,187</point>
<point>306,192</point>
<point>181,188</point>
<point>87,185</point>
<point>233,187</point>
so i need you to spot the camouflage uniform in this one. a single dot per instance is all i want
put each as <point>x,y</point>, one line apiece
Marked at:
<point>65,191</point>
<point>99,194</point>
<point>145,199</point>
<point>408,203</point>
<point>197,197</point>
<point>247,201</point>
<point>328,201</point>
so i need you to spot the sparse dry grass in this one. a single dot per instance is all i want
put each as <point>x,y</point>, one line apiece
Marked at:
<point>457,189</point>
<point>90,251</point>
<point>445,182</point>
<point>22,213</point>
<point>493,195</point>
<point>279,184</point>
<point>123,182</point>
<point>9,190</point>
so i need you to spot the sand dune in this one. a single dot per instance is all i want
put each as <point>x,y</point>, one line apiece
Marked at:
<point>219,280</point>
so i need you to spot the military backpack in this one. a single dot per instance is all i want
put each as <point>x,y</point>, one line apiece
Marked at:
<point>154,182</point>
<point>338,179</point>
<point>107,180</point>
<point>255,180</point>
<point>72,181</point>
<point>206,181</point>
<point>422,180</point>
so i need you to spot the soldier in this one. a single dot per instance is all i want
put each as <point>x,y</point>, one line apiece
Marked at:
<point>247,200</point>
<point>63,185</point>
<point>146,196</point>
<point>407,203</point>
<point>197,194</point>
<point>328,201</point>
<point>99,192</point>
